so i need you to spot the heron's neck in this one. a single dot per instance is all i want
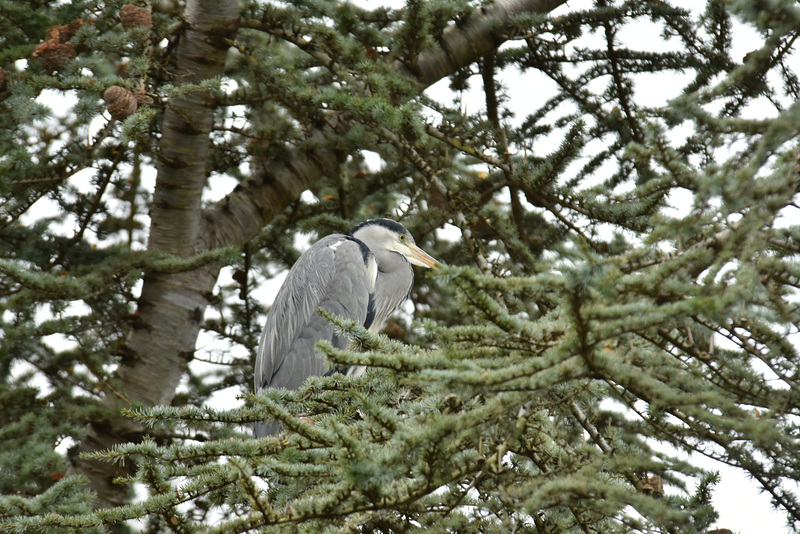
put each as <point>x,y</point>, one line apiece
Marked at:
<point>390,261</point>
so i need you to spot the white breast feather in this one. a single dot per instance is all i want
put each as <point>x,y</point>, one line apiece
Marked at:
<point>372,272</point>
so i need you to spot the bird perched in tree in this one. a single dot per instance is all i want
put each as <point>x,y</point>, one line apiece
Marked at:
<point>364,276</point>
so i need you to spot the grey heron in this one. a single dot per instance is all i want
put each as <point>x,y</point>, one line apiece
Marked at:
<point>364,276</point>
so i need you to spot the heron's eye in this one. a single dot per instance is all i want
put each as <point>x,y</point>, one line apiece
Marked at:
<point>402,238</point>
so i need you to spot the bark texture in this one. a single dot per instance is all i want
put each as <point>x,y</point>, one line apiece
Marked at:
<point>464,43</point>
<point>171,306</point>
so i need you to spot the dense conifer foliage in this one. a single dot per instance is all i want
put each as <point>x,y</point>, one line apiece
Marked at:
<point>611,186</point>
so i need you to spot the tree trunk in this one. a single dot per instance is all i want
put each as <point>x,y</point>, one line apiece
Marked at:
<point>171,306</point>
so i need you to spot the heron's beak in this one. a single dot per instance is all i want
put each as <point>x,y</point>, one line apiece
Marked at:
<point>417,256</point>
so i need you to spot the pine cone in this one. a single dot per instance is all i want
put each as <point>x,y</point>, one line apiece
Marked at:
<point>131,16</point>
<point>121,102</point>
<point>55,55</point>
<point>73,26</point>
<point>654,486</point>
<point>58,34</point>
<point>57,51</point>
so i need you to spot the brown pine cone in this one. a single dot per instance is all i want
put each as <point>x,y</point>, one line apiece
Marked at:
<point>131,16</point>
<point>121,102</point>
<point>57,50</point>
<point>55,55</point>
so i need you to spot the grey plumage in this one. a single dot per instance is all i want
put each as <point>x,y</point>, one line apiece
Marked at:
<point>364,276</point>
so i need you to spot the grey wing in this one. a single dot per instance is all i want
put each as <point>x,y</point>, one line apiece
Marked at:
<point>332,275</point>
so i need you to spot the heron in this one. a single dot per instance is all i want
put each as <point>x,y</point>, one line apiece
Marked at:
<point>364,276</point>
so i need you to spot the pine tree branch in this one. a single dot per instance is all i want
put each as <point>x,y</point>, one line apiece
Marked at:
<point>276,183</point>
<point>124,265</point>
<point>467,42</point>
<point>467,149</point>
<point>63,167</point>
<point>623,91</point>
<point>458,217</point>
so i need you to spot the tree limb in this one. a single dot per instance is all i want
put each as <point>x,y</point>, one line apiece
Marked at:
<point>275,184</point>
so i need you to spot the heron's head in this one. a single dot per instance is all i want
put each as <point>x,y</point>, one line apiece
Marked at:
<point>390,236</point>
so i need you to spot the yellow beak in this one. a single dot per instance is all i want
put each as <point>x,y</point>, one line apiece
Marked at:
<point>417,256</point>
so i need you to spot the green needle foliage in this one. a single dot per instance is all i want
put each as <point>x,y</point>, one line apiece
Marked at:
<point>612,188</point>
